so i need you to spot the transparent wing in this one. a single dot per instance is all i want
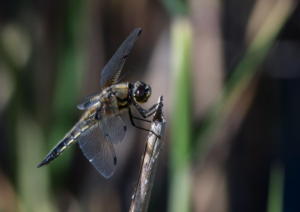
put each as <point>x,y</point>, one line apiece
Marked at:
<point>111,123</point>
<point>89,102</point>
<point>99,151</point>
<point>112,70</point>
<point>113,128</point>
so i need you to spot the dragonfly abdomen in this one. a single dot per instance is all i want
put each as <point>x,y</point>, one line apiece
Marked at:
<point>79,129</point>
<point>55,152</point>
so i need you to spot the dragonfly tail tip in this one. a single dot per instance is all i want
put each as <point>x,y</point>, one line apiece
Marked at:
<point>44,162</point>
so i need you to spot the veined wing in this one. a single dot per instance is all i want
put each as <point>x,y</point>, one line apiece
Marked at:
<point>112,70</point>
<point>111,123</point>
<point>95,147</point>
<point>99,151</point>
<point>113,128</point>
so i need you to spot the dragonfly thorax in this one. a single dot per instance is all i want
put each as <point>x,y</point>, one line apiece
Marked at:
<point>141,91</point>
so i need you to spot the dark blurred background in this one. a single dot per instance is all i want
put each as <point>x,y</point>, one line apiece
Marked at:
<point>229,72</point>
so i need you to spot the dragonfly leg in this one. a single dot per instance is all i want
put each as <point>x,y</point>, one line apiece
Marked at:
<point>131,117</point>
<point>145,113</point>
<point>140,119</point>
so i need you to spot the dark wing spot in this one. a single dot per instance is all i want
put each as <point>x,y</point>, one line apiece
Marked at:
<point>139,31</point>
<point>115,160</point>
<point>125,128</point>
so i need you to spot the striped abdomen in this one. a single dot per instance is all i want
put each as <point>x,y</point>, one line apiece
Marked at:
<point>72,136</point>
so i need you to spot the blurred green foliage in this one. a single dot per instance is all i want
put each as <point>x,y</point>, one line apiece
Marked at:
<point>71,66</point>
<point>181,116</point>
<point>27,134</point>
<point>275,198</point>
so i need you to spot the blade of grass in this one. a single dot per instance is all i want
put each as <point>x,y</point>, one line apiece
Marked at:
<point>181,117</point>
<point>177,7</point>
<point>246,69</point>
<point>70,73</point>
<point>276,190</point>
<point>33,188</point>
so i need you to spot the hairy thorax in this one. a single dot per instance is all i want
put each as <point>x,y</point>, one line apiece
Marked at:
<point>117,94</point>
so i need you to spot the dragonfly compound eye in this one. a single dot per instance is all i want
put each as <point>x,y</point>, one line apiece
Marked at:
<point>141,92</point>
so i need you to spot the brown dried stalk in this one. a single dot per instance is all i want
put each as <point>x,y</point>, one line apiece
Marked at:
<point>141,196</point>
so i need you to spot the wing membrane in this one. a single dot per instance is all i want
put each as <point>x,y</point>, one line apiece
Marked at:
<point>111,123</point>
<point>99,151</point>
<point>112,70</point>
<point>114,128</point>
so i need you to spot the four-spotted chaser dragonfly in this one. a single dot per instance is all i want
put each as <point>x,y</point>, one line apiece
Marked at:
<point>101,125</point>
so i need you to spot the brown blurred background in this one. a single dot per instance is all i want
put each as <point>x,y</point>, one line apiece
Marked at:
<point>229,72</point>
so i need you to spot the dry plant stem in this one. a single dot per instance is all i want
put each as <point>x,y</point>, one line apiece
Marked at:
<point>142,193</point>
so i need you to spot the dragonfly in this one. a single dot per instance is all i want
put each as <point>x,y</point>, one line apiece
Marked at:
<point>101,125</point>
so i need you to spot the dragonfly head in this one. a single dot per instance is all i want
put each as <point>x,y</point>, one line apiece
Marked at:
<point>141,91</point>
